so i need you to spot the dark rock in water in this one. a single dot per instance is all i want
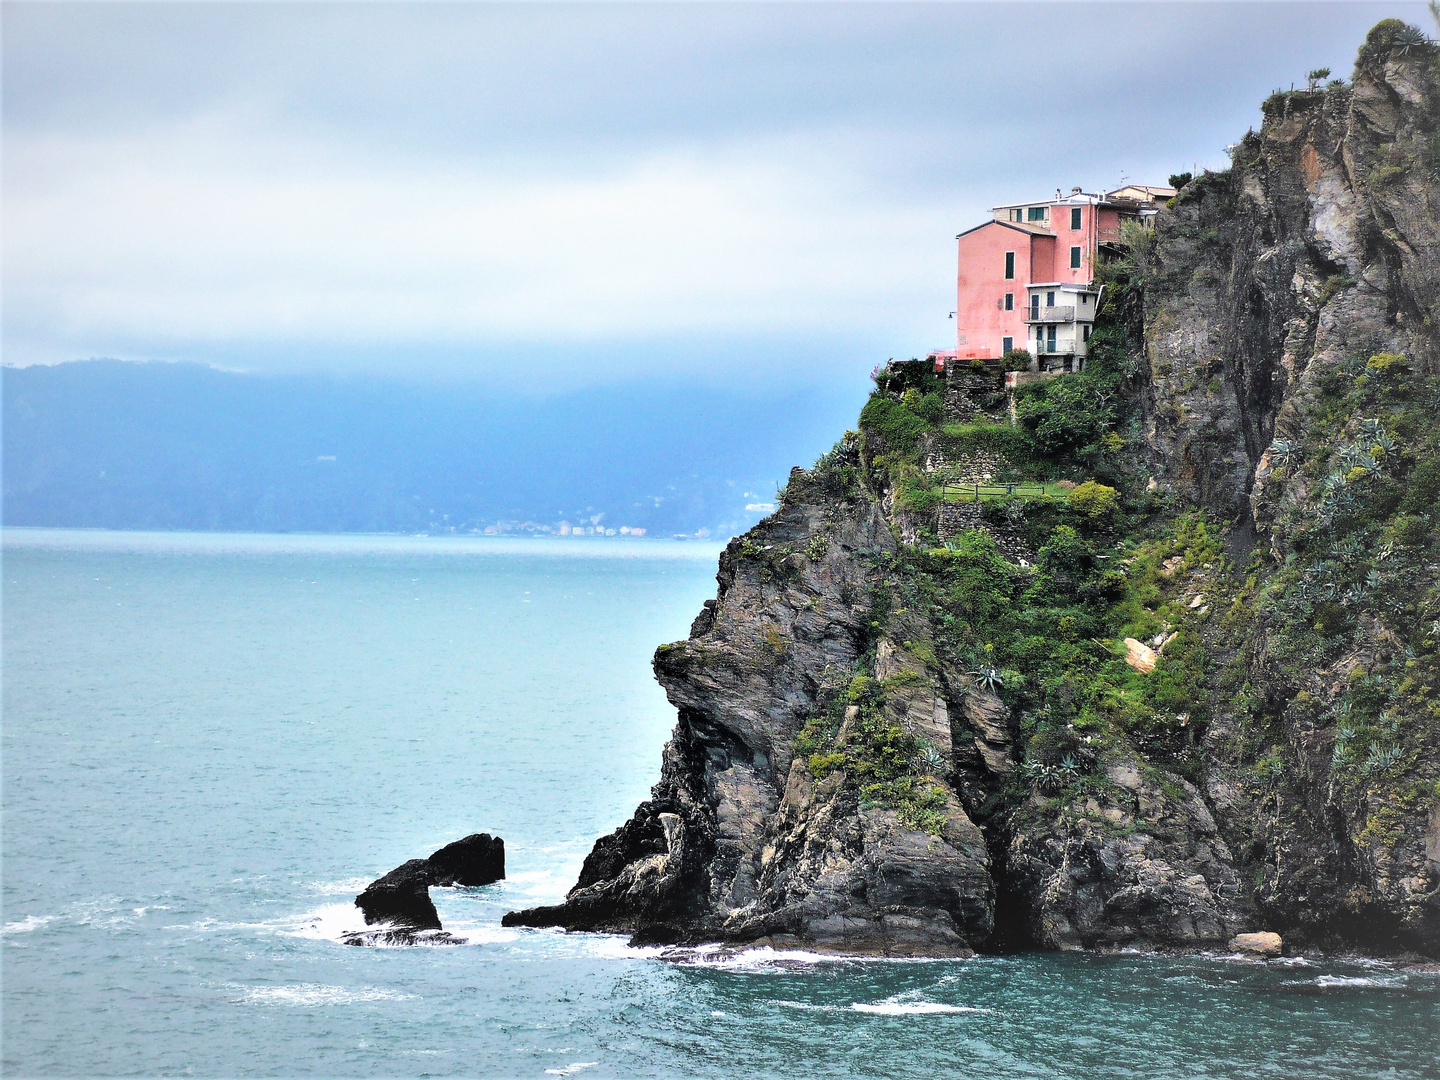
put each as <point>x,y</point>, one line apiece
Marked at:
<point>479,859</point>
<point>400,900</point>
<point>402,897</point>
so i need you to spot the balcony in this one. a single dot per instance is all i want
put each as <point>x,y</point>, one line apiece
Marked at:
<point>1056,314</point>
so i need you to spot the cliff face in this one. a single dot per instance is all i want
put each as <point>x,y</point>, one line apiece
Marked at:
<point>1322,242</point>
<point>1193,697</point>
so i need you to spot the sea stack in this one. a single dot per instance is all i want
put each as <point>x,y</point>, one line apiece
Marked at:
<point>400,900</point>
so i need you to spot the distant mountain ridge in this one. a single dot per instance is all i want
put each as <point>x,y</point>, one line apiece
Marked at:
<point>112,444</point>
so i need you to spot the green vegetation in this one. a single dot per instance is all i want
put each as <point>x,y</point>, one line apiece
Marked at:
<point>888,766</point>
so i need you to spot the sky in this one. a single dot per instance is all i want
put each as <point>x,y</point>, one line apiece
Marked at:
<point>720,194</point>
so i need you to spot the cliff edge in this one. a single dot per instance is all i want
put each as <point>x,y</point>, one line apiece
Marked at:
<point>1182,688</point>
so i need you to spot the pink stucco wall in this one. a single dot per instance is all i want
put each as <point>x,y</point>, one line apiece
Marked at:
<point>981,320</point>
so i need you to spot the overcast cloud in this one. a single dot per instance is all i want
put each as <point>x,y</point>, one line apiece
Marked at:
<point>463,189</point>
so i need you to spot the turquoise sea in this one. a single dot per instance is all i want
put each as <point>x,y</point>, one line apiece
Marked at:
<point>211,743</point>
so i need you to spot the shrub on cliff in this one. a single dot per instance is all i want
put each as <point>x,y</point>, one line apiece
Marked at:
<point>899,426</point>
<point>1066,416</point>
<point>1389,39</point>
<point>1095,502</point>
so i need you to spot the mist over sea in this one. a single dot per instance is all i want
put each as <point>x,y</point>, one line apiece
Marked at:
<point>211,742</point>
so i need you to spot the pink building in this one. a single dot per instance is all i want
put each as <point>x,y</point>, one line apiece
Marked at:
<point>1026,277</point>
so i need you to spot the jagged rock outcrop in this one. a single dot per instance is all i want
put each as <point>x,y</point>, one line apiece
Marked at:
<point>399,902</point>
<point>908,728</point>
<point>739,842</point>
<point>1323,241</point>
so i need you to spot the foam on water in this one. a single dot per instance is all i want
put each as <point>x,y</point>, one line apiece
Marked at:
<point>27,924</point>
<point>1369,982</point>
<point>914,1008</point>
<point>768,960</point>
<point>310,995</point>
<point>571,1069</point>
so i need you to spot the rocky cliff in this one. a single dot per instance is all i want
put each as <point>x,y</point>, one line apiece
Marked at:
<point>1187,692</point>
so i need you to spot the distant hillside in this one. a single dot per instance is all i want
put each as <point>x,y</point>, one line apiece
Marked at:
<point>179,446</point>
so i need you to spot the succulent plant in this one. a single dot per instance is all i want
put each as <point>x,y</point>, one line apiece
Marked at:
<point>931,760</point>
<point>1381,758</point>
<point>987,677</point>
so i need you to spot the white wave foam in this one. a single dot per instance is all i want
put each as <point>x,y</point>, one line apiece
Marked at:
<point>481,934</point>
<point>764,960</point>
<point>27,924</point>
<point>347,887</point>
<point>328,923</point>
<point>571,1069</point>
<point>914,1008</point>
<point>888,1007</point>
<point>615,947</point>
<point>310,995</point>
<point>1369,981</point>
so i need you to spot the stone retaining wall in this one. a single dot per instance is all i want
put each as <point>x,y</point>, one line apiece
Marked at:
<point>956,517</point>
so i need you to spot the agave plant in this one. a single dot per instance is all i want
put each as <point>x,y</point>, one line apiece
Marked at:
<point>1371,427</point>
<point>1282,453</point>
<point>1381,758</point>
<point>1409,39</point>
<point>1385,444</point>
<point>987,677</point>
<point>1354,596</point>
<point>931,760</point>
<point>1347,550</point>
<point>1352,455</point>
<point>1373,580</point>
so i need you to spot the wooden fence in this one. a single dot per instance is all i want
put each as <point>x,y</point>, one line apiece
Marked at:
<point>953,491</point>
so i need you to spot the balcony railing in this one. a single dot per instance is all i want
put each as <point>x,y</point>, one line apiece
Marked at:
<point>1055,314</point>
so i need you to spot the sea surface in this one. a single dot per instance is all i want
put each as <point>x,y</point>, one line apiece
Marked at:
<point>211,743</point>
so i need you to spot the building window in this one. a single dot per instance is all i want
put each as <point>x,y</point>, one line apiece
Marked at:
<point>1075,218</point>
<point>1087,333</point>
<point>1074,258</point>
<point>1017,215</point>
<point>1009,265</point>
<point>1037,213</point>
<point>1050,339</point>
<point>1035,306</point>
<point>1049,299</point>
<point>1007,344</point>
<point>1039,339</point>
<point>1009,301</point>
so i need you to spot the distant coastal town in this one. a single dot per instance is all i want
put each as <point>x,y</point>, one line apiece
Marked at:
<point>562,528</point>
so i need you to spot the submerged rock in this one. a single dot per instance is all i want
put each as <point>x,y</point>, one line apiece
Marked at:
<point>399,902</point>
